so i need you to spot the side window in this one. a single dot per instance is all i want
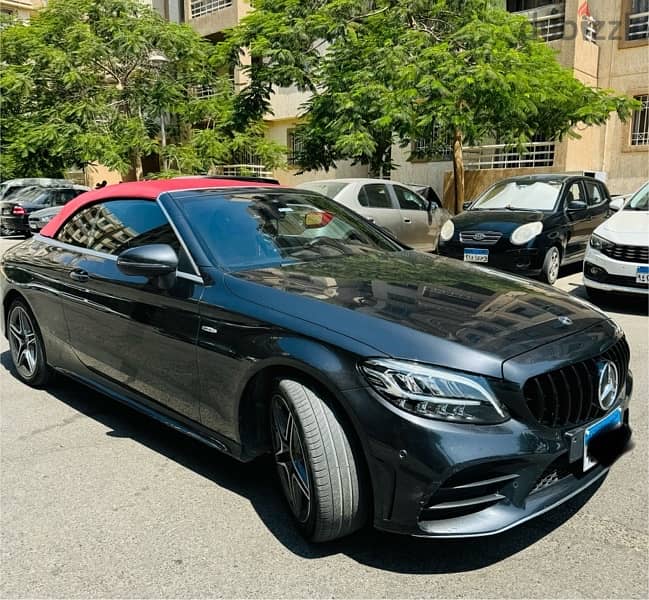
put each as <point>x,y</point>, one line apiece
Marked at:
<point>575,193</point>
<point>113,226</point>
<point>595,193</point>
<point>409,200</point>
<point>64,196</point>
<point>375,195</point>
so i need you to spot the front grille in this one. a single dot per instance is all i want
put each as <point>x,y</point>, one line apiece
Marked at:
<point>633,254</point>
<point>568,397</point>
<point>488,238</point>
<point>553,474</point>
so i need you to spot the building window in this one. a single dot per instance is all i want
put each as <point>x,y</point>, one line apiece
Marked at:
<point>640,124</point>
<point>637,24</point>
<point>200,8</point>
<point>295,148</point>
<point>437,147</point>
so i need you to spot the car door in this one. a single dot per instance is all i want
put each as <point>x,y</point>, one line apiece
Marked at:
<point>416,219</point>
<point>376,203</point>
<point>579,221</point>
<point>598,201</point>
<point>126,328</point>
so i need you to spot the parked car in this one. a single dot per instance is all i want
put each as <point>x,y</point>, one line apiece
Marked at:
<point>399,210</point>
<point>11,186</point>
<point>437,398</point>
<point>617,258</point>
<point>16,207</point>
<point>530,225</point>
<point>39,218</point>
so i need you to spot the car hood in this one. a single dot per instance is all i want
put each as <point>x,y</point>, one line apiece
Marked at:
<point>630,227</point>
<point>495,220</point>
<point>421,307</point>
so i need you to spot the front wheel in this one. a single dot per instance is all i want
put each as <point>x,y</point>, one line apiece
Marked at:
<point>26,345</point>
<point>315,462</point>
<point>551,265</point>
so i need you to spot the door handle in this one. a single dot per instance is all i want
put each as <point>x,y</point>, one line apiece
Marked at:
<point>407,221</point>
<point>79,275</point>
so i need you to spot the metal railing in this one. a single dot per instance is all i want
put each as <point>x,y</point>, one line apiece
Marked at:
<point>640,124</point>
<point>200,8</point>
<point>638,26</point>
<point>549,21</point>
<point>500,156</point>
<point>203,91</point>
<point>242,170</point>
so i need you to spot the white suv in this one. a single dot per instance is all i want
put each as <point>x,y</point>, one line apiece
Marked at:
<point>617,257</point>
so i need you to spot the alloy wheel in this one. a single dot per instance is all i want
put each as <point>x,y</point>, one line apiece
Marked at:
<point>23,342</point>
<point>290,459</point>
<point>554,265</point>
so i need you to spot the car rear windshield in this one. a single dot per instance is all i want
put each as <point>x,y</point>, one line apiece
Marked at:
<point>521,195</point>
<point>247,230</point>
<point>30,195</point>
<point>327,188</point>
<point>640,200</point>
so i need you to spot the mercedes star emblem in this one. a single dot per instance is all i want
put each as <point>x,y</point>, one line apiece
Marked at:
<point>608,384</point>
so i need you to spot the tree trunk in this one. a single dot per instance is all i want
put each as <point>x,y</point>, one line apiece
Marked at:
<point>136,165</point>
<point>458,172</point>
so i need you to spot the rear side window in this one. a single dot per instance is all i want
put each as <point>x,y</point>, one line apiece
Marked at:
<point>375,195</point>
<point>112,227</point>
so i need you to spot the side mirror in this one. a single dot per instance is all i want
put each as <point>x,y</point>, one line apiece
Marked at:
<point>154,261</point>
<point>616,204</point>
<point>467,205</point>
<point>577,205</point>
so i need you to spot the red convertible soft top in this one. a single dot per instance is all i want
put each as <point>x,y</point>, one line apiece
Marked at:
<point>143,189</point>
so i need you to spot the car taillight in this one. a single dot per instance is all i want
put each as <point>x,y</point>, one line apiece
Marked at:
<point>18,210</point>
<point>313,220</point>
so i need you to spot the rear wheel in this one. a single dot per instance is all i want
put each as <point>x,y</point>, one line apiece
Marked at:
<point>551,265</point>
<point>315,463</point>
<point>26,345</point>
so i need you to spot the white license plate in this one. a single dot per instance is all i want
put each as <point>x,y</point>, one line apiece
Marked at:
<point>642,275</point>
<point>608,422</point>
<point>477,255</point>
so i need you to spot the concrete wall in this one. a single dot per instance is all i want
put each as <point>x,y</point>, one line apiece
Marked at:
<point>421,172</point>
<point>218,20</point>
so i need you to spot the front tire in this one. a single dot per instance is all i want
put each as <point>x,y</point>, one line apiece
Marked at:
<point>26,345</point>
<point>315,462</point>
<point>551,265</point>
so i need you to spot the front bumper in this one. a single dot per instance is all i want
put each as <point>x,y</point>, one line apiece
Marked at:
<point>525,261</point>
<point>611,275</point>
<point>443,480</point>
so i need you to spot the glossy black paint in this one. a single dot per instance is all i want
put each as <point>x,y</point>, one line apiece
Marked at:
<point>202,353</point>
<point>567,229</point>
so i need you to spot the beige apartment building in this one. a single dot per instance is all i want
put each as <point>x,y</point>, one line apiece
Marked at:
<point>604,42</point>
<point>22,9</point>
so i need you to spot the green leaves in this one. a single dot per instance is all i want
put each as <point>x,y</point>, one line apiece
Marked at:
<point>88,80</point>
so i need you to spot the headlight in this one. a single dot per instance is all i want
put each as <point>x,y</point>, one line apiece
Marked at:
<point>447,231</point>
<point>433,392</point>
<point>600,243</point>
<point>526,233</point>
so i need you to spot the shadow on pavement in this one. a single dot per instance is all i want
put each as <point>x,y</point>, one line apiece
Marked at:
<point>256,482</point>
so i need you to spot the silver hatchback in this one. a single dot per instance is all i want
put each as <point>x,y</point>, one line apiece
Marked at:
<point>400,210</point>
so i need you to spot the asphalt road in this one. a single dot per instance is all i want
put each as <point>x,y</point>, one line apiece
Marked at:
<point>98,501</point>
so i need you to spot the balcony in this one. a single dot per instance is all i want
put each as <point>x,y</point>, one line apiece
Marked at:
<point>242,171</point>
<point>549,21</point>
<point>500,156</point>
<point>638,26</point>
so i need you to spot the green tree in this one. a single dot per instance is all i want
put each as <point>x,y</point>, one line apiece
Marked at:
<point>391,71</point>
<point>110,82</point>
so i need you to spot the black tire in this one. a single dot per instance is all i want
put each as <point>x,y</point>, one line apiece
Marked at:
<point>318,473</point>
<point>26,345</point>
<point>551,265</point>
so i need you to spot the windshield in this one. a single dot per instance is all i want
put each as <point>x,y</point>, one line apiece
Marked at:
<point>640,200</point>
<point>327,188</point>
<point>521,195</point>
<point>247,230</point>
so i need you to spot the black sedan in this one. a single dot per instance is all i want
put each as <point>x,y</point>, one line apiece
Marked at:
<point>16,207</point>
<point>428,396</point>
<point>530,225</point>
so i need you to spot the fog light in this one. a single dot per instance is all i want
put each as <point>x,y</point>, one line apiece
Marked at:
<point>594,272</point>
